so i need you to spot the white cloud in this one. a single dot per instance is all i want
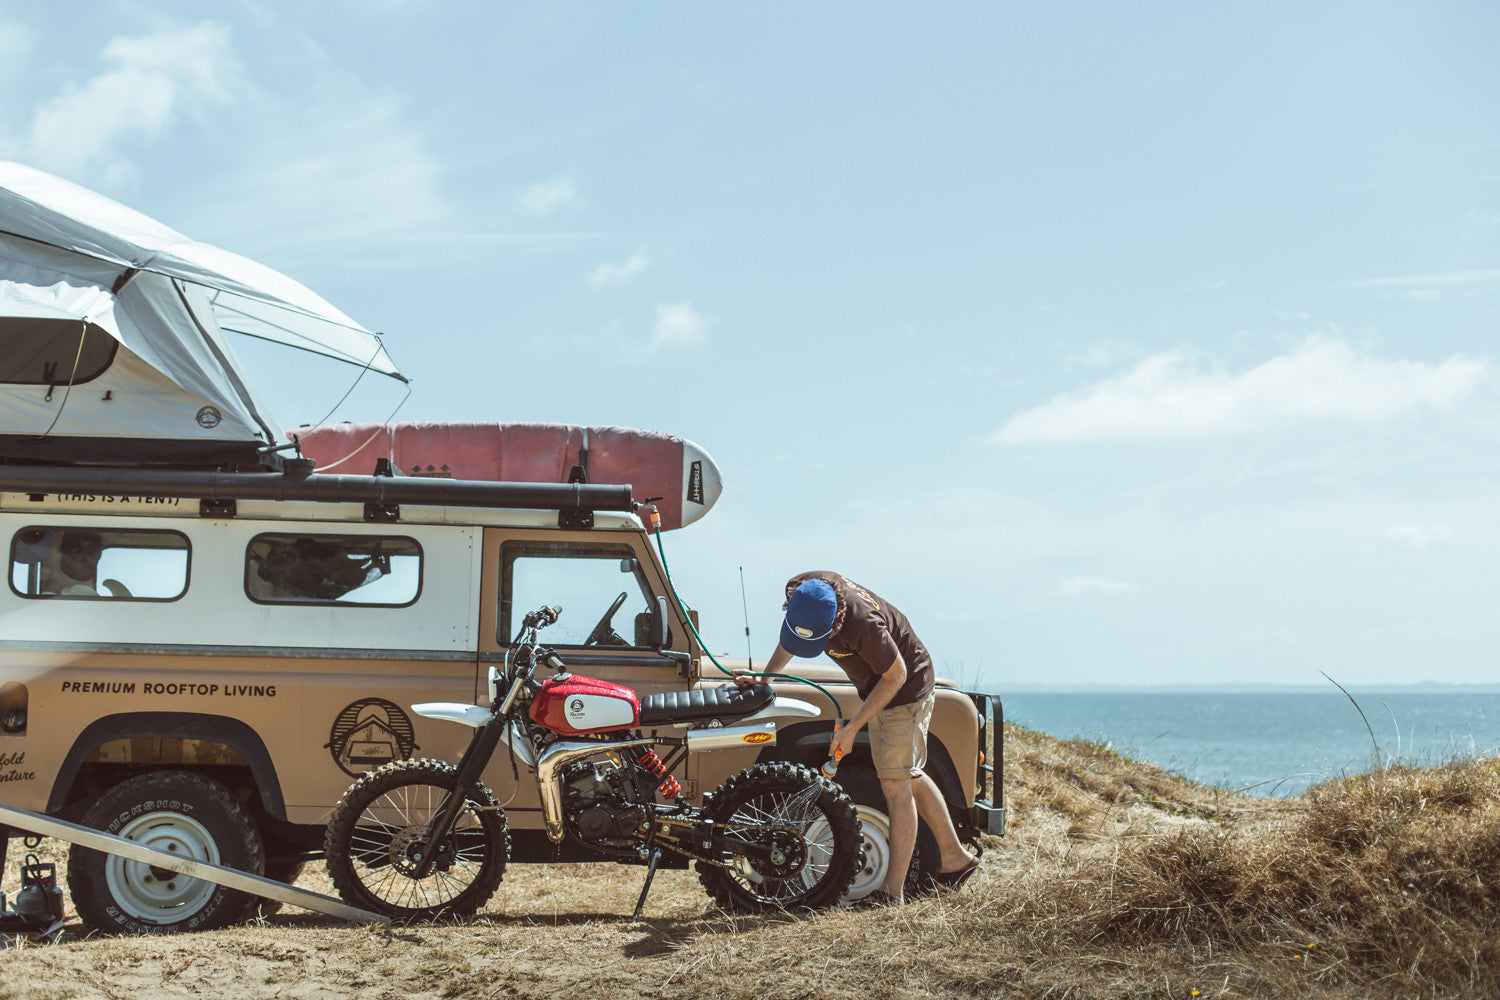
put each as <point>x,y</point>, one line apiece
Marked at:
<point>1086,586</point>
<point>1173,395</point>
<point>679,325</point>
<point>149,80</point>
<point>1430,287</point>
<point>551,197</point>
<point>1104,354</point>
<point>1446,278</point>
<point>1418,536</point>
<point>310,162</point>
<point>618,274</point>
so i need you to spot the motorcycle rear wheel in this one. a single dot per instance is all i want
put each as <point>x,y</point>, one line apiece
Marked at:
<point>374,841</point>
<point>809,826</point>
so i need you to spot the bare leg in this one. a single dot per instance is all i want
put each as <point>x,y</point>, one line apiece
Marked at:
<point>929,803</point>
<point>901,807</point>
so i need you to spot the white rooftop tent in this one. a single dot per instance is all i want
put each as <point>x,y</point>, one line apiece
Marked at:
<point>111,334</point>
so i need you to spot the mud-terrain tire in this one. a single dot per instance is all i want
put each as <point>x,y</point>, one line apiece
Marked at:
<point>822,857</point>
<point>174,811</point>
<point>863,786</point>
<point>372,841</point>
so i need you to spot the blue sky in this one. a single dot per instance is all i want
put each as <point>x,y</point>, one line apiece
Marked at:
<point>1148,343</point>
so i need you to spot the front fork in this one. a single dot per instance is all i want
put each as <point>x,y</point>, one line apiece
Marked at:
<point>470,766</point>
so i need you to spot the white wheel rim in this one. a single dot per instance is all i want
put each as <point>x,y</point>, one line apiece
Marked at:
<point>875,831</point>
<point>155,894</point>
<point>781,809</point>
<point>401,815</point>
<point>819,841</point>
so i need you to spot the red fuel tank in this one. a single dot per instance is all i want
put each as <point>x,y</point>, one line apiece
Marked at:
<point>577,706</point>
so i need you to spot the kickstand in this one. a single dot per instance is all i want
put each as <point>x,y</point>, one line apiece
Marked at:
<point>640,904</point>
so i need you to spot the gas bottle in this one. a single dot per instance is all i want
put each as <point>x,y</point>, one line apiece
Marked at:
<point>39,895</point>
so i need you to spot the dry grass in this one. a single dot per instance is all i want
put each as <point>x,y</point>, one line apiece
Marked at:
<point>1116,880</point>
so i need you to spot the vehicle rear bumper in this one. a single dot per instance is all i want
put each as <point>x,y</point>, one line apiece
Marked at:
<point>988,818</point>
<point>987,814</point>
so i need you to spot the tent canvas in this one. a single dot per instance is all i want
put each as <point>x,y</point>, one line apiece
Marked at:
<point>112,346</point>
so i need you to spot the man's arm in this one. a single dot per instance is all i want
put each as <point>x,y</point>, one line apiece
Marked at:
<point>885,689</point>
<point>779,659</point>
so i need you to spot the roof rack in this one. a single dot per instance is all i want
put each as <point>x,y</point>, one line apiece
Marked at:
<point>298,483</point>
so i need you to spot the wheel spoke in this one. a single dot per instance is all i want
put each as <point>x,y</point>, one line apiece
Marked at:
<point>378,844</point>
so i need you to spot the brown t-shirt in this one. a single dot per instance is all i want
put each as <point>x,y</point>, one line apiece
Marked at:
<point>868,634</point>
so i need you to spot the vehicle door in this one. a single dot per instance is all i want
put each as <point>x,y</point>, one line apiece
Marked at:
<point>607,585</point>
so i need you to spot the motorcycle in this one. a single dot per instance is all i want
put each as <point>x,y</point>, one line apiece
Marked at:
<point>418,839</point>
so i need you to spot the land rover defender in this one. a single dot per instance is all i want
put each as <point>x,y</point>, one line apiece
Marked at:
<point>205,661</point>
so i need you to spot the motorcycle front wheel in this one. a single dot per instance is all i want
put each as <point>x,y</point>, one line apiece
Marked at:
<point>785,839</point>
<point>377,838</point>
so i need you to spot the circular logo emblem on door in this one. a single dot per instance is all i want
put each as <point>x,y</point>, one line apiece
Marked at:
<point>368,733</point>
<point>209,417</point>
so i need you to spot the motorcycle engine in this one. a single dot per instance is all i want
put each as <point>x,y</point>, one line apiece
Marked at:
<point>601,802</point>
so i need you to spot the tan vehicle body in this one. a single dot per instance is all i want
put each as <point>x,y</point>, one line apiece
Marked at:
<point>287,704</point>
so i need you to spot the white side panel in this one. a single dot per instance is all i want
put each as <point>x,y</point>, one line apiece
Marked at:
<point>597,711</point>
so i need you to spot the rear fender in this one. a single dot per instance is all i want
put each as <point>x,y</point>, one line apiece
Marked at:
<point>219,729</point>
<point>784,708</point>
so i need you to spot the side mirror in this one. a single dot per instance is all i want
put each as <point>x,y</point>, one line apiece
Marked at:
<point>656,632</point>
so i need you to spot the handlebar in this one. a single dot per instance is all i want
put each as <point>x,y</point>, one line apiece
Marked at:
<point>529,651</point>
<point>528,654</point>
<point>542,617</point>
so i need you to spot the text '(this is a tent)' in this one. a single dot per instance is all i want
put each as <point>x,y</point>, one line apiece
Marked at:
<point>112,347</point>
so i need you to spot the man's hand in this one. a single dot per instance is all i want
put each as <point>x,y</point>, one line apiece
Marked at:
<point>744,680</point>
<point>842,744</point>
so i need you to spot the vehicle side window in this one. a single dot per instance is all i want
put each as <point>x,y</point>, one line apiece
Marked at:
<point>360,570</point>
<point>99,564</point>
<point>585,580</point>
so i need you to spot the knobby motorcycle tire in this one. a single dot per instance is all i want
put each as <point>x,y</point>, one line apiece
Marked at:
<point>832,818</point>
<point>357,866</point>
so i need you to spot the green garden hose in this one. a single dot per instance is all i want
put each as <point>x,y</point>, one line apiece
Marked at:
<point>656,530</point>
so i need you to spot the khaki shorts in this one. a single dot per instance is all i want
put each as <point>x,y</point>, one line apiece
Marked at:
<point>898,739</point>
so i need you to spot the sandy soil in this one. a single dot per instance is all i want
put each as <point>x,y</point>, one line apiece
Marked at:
<point>551,931</point>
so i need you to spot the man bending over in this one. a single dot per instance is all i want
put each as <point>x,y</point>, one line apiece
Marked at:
<point>875,646</point>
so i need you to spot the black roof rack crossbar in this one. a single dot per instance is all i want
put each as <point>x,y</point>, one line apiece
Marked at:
<point>138,482</point>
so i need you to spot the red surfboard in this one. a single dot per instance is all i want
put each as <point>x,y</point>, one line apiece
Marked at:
<point>653,463</point>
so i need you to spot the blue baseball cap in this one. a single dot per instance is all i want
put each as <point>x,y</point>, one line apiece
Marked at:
<point>810,612</point>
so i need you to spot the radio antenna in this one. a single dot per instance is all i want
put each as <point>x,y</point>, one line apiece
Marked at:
<point>749,655</point>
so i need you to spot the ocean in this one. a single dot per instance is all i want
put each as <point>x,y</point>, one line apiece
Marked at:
<point>1270,744</point>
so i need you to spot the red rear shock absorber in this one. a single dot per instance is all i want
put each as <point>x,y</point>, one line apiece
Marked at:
<point>670,788</point>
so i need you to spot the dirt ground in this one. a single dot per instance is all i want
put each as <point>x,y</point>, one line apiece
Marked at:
<point>551,931</point>
<point>1115,881</point>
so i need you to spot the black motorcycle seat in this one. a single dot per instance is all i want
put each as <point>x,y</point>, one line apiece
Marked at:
<point>704,704</point>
